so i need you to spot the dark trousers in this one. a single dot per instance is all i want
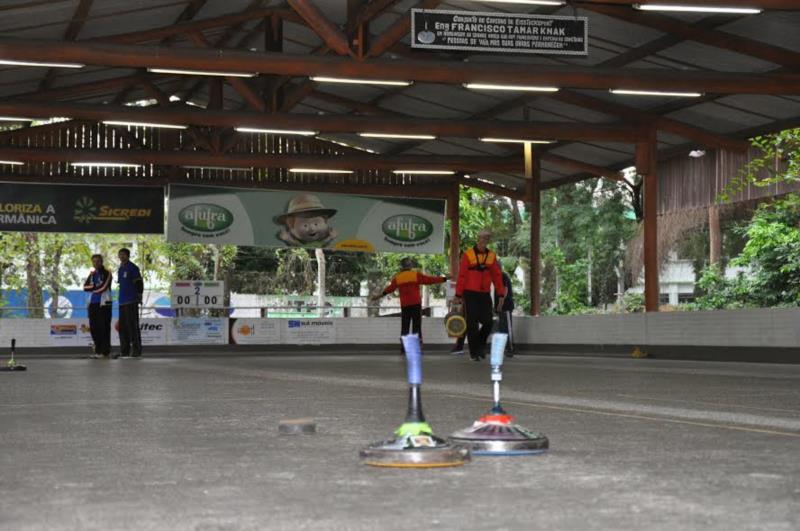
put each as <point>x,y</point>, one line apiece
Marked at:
<point>100,327</point>
<point>129,333</point>
<point>411,321</point>
<point>506,326</point>
<point>478,309</point>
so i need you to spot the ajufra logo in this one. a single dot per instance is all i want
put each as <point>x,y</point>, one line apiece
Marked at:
<point>85,210</point>
<point>205,218</point>
<point>407,228</point>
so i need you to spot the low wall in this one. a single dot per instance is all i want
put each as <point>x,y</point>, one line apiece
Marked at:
<point>763,328</point>
<point>747,335</point>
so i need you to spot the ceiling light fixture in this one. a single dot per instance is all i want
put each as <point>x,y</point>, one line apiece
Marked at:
<point>628,92</point>
<point>105,165</point>
<point>397,135</point>
<point>224,168</point>
<point>326,79</point>
<point>15,119</point>
<point>144,124</point>
<point>424,172</point>
<point>180,71</point>
<point>11,62</point>
<point>516,141</point>
<point>527,2</point>
<point>317,170</point>
<point>276,131</point>
<point>11,162</point>
<point>699,9</point>
<point>522,88</point>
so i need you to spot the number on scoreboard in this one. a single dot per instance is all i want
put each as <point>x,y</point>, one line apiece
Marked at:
<point>197,294</point>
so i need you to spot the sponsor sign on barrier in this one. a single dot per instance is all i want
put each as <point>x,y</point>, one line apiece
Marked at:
<point>272,218</point>
<point>309,331</point>
<point>199,330</point>
<point>76,332</point>
<point>246,331</point>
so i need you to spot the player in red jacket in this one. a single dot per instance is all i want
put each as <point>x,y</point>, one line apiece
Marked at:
<point>408,282</point>
<point>478,271</point>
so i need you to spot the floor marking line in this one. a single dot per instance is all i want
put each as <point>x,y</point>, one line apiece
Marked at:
<point>630,415</point>
<point>708,403</point>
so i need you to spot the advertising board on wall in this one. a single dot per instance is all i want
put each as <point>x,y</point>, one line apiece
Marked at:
<point>81,208</point>
<point>272,218</point>
<point>309,331</point>
<point>76,333</point>
<point>251,331</point>
<point>499,32</point>
<point>199,330</point>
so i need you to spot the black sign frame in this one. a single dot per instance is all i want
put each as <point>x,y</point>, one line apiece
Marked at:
<point>424,18</point>
<point>81,208</point>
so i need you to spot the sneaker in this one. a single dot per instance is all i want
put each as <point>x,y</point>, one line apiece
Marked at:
<point>510,353</point>
<point>95,356</point>
<point>457,351</point>
<point>125,356</point>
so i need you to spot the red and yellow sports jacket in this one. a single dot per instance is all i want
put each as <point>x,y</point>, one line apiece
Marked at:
<point>478,271</point>
<point>408,283</point>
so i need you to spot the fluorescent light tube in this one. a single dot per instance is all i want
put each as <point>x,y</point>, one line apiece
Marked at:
<point>275,131</point>
<point>656,93</point>
<point>699,9</point>
<point>397,135</point>
<point>11,62</point>
<point>526,88</point>
<point>200,72</point>
<point>144,124</point>
<point>325,79</point>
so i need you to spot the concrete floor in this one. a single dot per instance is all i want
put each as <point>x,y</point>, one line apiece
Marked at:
<point>192,443</point>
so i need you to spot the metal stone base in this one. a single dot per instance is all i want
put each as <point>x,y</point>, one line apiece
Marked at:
<point>500,438</point>
<point>414,451</point>
<point>13,368</point>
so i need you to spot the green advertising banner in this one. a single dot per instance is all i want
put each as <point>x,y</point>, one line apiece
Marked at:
<point>272,218</point>
<point>81,208</point>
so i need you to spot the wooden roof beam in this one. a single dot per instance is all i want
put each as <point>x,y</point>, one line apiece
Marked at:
<point>73,29</point>
<point>397,31</point>
<point>421,71</point>
<point>706,138</point>
<point>711,37</point>
<point>324,28</point>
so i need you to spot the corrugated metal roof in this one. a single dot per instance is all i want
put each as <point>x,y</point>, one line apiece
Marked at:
<point>609,37</point>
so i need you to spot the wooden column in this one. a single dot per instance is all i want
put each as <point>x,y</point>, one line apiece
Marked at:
<point>453,214</point>
<point>714,235</point>
<point>533,194</point>
<point>646,163</point>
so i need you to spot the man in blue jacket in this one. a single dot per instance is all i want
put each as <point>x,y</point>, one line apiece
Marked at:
<point>131,287</point>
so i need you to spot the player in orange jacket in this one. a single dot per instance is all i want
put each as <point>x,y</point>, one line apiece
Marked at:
<point>408,282</point>
<point>478,271</point>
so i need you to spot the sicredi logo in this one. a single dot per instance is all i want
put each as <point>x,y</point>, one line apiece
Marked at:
<point>407,228</point>
<point>205,218</point>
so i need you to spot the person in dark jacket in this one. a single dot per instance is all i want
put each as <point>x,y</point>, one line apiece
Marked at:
<point>131,287</point>
<point>505,309</point>
<point>98,284</point>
